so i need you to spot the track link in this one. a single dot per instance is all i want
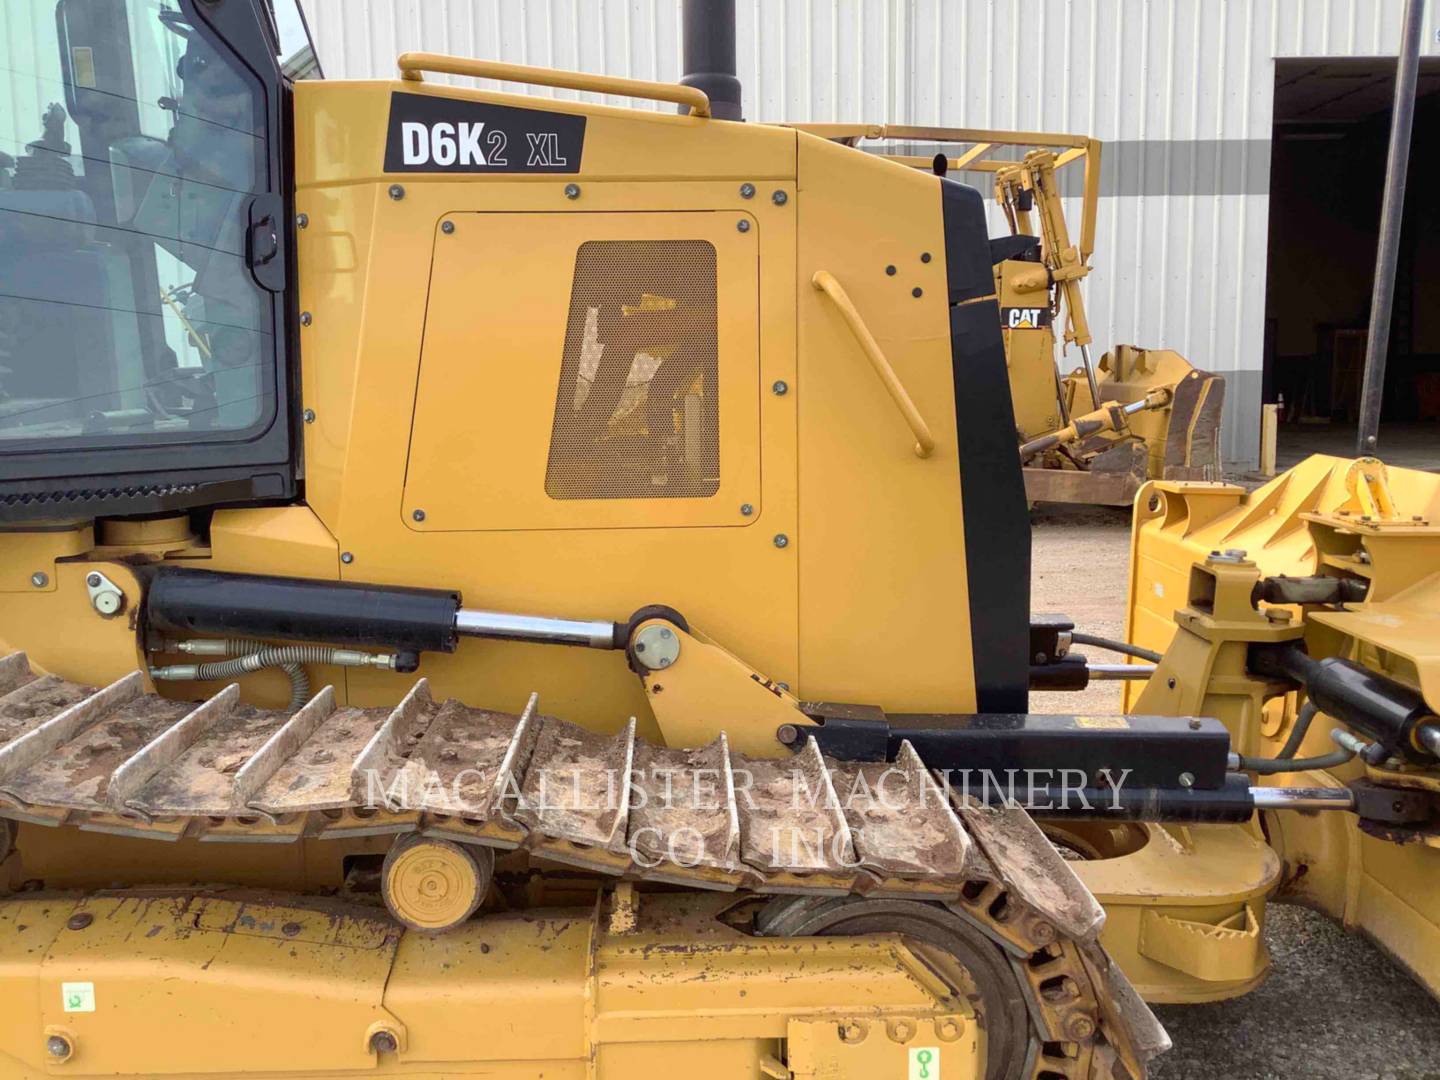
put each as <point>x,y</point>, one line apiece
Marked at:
<point>119,759</point>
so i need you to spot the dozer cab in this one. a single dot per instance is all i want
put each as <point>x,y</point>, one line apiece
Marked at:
<point>517,587</point>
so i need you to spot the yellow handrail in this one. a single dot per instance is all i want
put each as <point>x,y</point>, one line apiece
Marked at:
<point>826,283</point>
<point>412,64</point>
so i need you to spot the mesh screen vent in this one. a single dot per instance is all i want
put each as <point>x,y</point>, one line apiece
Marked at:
<point>637,410</point>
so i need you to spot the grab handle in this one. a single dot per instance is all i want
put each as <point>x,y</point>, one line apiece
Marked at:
<point>413,64</point>
<point>826,283</point>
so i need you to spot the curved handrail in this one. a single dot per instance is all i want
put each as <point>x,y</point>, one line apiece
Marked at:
<point>826,283</point>
<point>413,64</point>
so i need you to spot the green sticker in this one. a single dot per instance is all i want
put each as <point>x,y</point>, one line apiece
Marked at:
<point>77,997</point>
<point>924,1063</point>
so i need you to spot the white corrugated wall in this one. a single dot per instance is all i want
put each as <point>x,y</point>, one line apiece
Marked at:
<point>1180,89</point>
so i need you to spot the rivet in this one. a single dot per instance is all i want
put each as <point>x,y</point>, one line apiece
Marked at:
<point>1187,779</point>
<point>572,191</point>
<point>781,540</point>
<point>746,509</point>
<point>418,515</point>
<point>346,557</point>
<point>308,416</point>
<point>306,318</point>
<point>39,579</point>
<point>397,192</point>
<point>747,191</point>
<point>780,388</point>
<point>79,921</point>
<point>890,270</point>
<point>779,198</point>
<point>742,225</point>
<point>302,221</point>
<point>925,256</point>
<point>917,292</point>
<point>57,1046</point>
<point>447,227</point>
<point>290,929</point>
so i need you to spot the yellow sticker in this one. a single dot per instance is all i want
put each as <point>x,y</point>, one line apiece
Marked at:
<point>1111,722</point>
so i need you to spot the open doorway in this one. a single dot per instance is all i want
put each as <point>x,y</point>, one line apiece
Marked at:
<point>1332,128</point>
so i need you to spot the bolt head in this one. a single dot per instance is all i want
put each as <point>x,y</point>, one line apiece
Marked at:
<point>447,227</point>
<point>746,509</point>
<point>306,318</point>
<point>397,192</point>
<point>747,191</point>
<point>742,225</point>
<point>1170,683</point>
<point>1187,780</point>
<point>346,557</point>
<point>890,270</point>
<point>779,198</point>
<point>1194,723</point>
<point>781,540</point>
<point>384,1042</point>
<point>917,292</point>
<point>788,734</point>
<point>780,388</point>
<point>93,580</point>
<point>39,579</point>
<point>418,515</point>
<point>302,221</point>
<point>925,256</point>
<point>79,921</point>
<point>308,416</point>
<point>572,191</point>
<point>57,1046</point>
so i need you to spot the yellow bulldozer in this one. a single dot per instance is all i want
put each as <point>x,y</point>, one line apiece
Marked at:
<point>516,587</point>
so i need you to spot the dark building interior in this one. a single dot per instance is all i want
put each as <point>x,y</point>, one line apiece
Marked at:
<point>1332,127</point>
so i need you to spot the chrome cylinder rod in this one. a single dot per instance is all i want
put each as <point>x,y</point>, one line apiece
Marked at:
<point>1090,376</point>
<point>537,628</point>
<point>1104,672</point>
<point>1283,798</point>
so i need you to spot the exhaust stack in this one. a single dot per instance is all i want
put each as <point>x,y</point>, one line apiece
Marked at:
<point>708,34</point>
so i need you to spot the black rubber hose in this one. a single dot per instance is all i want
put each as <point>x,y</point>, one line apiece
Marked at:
<point>1271,766</point>
<point>1112,645</point>
<point>1297,733</point>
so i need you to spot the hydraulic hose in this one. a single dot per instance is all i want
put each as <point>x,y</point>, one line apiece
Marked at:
<point>251,654</point>
<point>1297,734</point>
<point>1271,766</point>
<point>1112,645</point>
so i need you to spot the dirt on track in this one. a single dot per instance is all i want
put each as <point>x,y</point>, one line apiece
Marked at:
<point>1334,1006</point>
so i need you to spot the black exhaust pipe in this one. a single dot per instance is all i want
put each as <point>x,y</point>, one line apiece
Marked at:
<point>708,31</point>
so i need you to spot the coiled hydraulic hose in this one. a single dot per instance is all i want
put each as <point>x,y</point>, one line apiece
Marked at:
<point>251,654</point>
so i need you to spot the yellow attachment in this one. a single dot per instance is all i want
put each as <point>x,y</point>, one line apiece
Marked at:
<point>826,283</point>
<point>702,689</point>
<point>1368,483</point>
<point>412,65</point>
<point>435,885</point>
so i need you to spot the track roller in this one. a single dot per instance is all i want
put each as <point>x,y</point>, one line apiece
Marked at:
<point>434,885</point>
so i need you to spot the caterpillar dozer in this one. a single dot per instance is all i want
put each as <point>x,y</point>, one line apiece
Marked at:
<point>506,586</point>
<point>1097,434</point>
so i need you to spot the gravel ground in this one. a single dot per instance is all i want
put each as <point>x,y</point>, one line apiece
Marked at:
<point>1334,1007</point>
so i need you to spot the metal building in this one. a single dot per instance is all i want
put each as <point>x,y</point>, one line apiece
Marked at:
<point>1192,98</point>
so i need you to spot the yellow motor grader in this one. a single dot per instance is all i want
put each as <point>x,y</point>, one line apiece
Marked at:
<point>517,587</point>
<point>1098,433</point>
